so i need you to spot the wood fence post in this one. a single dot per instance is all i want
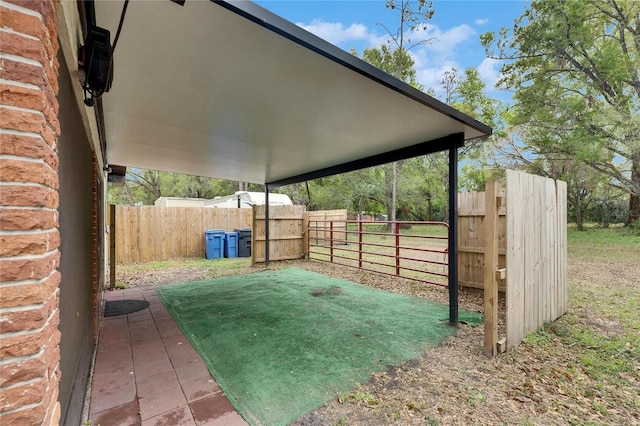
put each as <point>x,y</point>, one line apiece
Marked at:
<point>254,231</point>
<point>305,234</point>
<point>112,246</point>
<point>491,269</point>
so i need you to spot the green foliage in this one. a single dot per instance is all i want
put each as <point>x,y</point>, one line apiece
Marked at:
<point>388,61</point>
<point>468,95</point>
<point>358,395</point>
<point>573,67</point>
<point>635,227</point>
<point>474,178</point>
<point>616,243</point>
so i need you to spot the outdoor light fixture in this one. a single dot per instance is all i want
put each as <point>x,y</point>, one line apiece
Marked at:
<point>116,175</point>
<point>95,57</point>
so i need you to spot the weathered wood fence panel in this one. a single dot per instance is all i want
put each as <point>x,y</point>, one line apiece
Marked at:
<point>471,237</point>
<point>537,253</point>
<point>286,233</point>
<point>321,232</point>
<point>150,233</point>
<point>531,240</point>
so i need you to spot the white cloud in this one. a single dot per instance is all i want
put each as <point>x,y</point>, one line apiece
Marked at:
<point>481,21</point>
<point>430,76</point>
<point>446,41</point>
<point>489,72</point>
<point>431,59</point>
<point>337,32</point>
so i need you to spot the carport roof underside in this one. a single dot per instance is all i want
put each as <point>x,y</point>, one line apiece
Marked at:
<point>230,90</point>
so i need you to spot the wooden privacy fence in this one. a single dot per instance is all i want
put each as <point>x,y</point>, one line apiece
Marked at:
<point>288,231</point>
<point>472,235</point>
<point>536,253</point>
<point>515,240</point>
<point>151,233</point>
<point>319,232</point>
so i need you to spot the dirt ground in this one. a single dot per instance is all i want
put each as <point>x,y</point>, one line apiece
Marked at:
<point>543,381</point>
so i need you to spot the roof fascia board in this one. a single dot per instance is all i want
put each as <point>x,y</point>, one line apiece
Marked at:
<point>275,23</point>
<point>436,145</point>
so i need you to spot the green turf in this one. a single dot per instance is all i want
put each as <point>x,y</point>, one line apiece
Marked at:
<point>282,342</point>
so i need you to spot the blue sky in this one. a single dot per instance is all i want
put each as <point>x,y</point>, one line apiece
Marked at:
<point>456,28</point>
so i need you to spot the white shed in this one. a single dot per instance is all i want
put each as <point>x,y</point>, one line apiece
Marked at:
<point>180,202</point>
<point>244,199</point>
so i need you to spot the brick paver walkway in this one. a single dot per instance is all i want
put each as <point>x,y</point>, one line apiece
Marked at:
<point>147,372</point>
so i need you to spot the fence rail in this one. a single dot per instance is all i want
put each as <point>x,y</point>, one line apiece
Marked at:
<point>419,253</point>
<point>472,237</point>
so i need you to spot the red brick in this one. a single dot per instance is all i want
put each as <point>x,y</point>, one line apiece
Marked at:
<point>24,121</point>
<point>27,416</point>
<point>31,319</point>
<point>52,351</point>
<point>22,370</point>
<point>23,23</point>
<point>27,269</point>
<point>53,411</point>
<point>29,294</point>
<point>27,219</point>
<point>21,244</point>
<point>51,69</point>
<point>42,100</point>
<point>19,45</point>
<point>20,96</point>
<point>22,345</point>
<point>28,196</point>
<point>41,396</point>
<point>23,73</point>
<point>32,25</point>
<point>31,343</point>
<point>13,170</point>
<point>28,146</point>
<point>23,394</point>
<point>49,134</point>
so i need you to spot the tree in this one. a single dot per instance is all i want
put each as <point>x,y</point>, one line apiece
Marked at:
<point>574,68</point>
<point>394,59</point>
<point>387,60</point>
<point>144,187</point>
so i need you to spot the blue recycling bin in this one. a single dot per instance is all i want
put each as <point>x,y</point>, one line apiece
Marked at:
<point>214,243</point>
<point>231,244</point>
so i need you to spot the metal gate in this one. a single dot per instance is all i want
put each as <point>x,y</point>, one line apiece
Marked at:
<point>414,250</point>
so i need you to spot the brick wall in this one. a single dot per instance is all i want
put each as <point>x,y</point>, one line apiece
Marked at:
<point>29,237</point>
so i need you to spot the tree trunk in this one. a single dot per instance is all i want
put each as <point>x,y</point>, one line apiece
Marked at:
<point>634,198</point>
<point>309,203</point>
<point>127,191</point>
<point>394,197</point>
<point>388,190</point>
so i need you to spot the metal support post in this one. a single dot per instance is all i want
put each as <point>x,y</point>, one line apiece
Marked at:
<point>456,142</point>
